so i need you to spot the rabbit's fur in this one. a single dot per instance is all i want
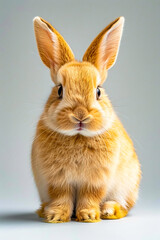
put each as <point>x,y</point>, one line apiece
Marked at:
<point>82,158</point>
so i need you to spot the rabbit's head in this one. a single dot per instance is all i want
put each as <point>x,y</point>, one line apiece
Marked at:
<point>78,103</point>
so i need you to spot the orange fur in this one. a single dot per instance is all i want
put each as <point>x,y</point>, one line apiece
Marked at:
<point>95,170</point>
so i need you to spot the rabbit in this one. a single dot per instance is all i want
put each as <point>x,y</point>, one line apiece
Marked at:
<point>82,158</point>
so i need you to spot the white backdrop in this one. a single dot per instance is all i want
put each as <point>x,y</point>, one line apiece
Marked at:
<point>133,85</point>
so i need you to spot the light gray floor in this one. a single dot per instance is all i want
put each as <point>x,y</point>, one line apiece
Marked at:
<point>24,224</point>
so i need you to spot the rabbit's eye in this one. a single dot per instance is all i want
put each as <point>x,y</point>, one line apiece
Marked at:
<point>98,93</point>
<point>60,91</point>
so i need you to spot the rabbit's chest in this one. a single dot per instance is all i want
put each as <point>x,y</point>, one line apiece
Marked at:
<point>79,164</point>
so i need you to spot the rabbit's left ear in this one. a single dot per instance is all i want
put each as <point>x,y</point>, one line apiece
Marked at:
<point>103,50</point>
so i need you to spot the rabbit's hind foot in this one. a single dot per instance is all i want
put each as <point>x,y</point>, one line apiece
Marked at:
<point>40,211</point>
<point>112,210</point>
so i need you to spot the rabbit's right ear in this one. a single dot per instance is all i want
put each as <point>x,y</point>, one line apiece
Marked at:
<point>53,49</point>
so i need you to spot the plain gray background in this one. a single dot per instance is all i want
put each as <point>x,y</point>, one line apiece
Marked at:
<point>133,85</point>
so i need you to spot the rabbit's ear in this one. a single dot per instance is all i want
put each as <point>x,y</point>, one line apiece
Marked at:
<point>53,49</point>
<point>103,50</point>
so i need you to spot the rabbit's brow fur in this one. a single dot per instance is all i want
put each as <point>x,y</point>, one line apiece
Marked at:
<point>94,172</point>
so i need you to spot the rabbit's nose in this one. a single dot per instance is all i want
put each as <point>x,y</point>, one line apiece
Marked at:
<point>77,120</point>
<point>80,114</point>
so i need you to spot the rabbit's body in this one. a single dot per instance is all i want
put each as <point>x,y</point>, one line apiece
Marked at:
<point>61,160</point>
<point>87,164</point>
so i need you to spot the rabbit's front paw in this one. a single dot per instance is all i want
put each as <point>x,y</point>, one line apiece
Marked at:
<point>112,210</point>
<point>88,215</point>
<point>57,214</point>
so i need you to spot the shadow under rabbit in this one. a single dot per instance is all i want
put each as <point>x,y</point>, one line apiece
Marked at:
<point>19,217</point>
<point>31,217</point>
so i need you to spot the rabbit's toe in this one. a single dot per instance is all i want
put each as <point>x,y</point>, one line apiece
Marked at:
<point>57,215</point>
<point>88,215</point>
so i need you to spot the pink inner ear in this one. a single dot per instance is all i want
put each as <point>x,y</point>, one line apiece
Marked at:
<point>109,46</point>
<point>53,49</point>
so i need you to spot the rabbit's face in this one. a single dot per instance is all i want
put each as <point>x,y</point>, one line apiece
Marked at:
<point>78,104</point>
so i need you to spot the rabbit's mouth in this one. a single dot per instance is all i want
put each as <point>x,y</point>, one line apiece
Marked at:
<point>80,126</point>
